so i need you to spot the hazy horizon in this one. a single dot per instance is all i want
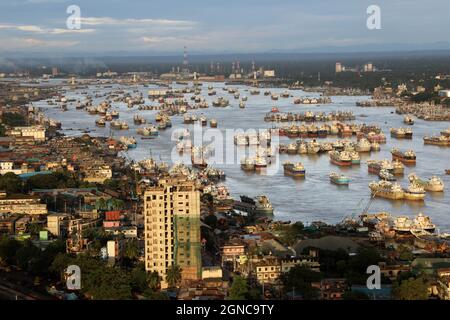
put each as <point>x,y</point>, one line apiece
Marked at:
<point>139,27</point>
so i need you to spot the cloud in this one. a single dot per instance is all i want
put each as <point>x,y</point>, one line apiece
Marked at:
<point>24,43</point>
<point>95,21</point>
<point>37,29</point>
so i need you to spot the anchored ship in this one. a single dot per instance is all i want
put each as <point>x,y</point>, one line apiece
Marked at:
<point>407,157</point>
<point>386,189</point>
<point>342,158</point>
<point>294,169</point>
<point>339,179</point>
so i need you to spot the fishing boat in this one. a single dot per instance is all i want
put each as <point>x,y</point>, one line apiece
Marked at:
<point>254,92</point>
<point>375,146</point>
<point>274,96</point>
<point>434,184</point>
<point>339,179</point>
<point>100,122</point>
<point>437,140</point>
<point>446,132</point>
<point>221,102</point>
<point>386,175</point>
<point>375,166</point>
<point>386,189</point>
<point>342,158</point>
<point>248,164</point>
<point>294,169</point>
<point>407,157</point>
<point>263,206</point>
<point>115,114</point>
<point>203,120</point>
<point>213,123</point>
<point>260,162</point>
<point>129,142</point>
<point>356,159</point>
<point>242,104</point>
<point>363,145</point>
<point>401,133</point>
<point>398,168</point>
<point>421,223</point>
<point>139,120</point>
<point>415,192</point>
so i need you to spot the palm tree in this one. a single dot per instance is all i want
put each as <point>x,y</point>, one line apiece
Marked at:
<point>100,204</point>
<point>173,276</point>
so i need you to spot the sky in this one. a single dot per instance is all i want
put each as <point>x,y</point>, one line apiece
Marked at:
<point>226,26</point>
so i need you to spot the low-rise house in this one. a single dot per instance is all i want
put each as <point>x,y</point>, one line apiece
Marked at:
<point>7,224</point>
<point>35,132</point>
<point>331,289</point>
<point>22,204</point>
<point>232,251</point>
<point>393,271</point>
<point>97,173</point>
<point>57,223</point>
<point>443,283</point>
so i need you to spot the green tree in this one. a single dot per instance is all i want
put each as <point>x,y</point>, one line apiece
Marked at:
<point>239,289</point>
<point>173,276</point>
<point>101,204</point>
<point>299,279</point>
<point>154,280</point>
<point>139,278</point>
<point>8,249</point>
<point>11,183</point>
<point>411,289</point>
<point>131,249</point>
<point>211,220</point>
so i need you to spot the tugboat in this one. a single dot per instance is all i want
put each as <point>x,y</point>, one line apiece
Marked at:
<point>294,169</point>
<point>407,157</point>
<point>342,158</point>
<point>339,179</point>
<point>386,189</point>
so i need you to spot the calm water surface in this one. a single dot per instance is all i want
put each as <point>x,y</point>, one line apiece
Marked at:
<point>311,199</point>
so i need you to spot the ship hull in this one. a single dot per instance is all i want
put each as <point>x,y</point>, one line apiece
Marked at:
<point>436,142</point>
<point>414,196</point>
<point>403,159</point>
<point>341,163</point>
<point>340,182</point>
<point>388,195</point>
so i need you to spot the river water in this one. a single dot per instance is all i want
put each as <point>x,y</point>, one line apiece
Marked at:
<point>311,199</point>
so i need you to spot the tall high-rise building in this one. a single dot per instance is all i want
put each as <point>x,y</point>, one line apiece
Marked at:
<point>172,228</point>
<point>338,67</point>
